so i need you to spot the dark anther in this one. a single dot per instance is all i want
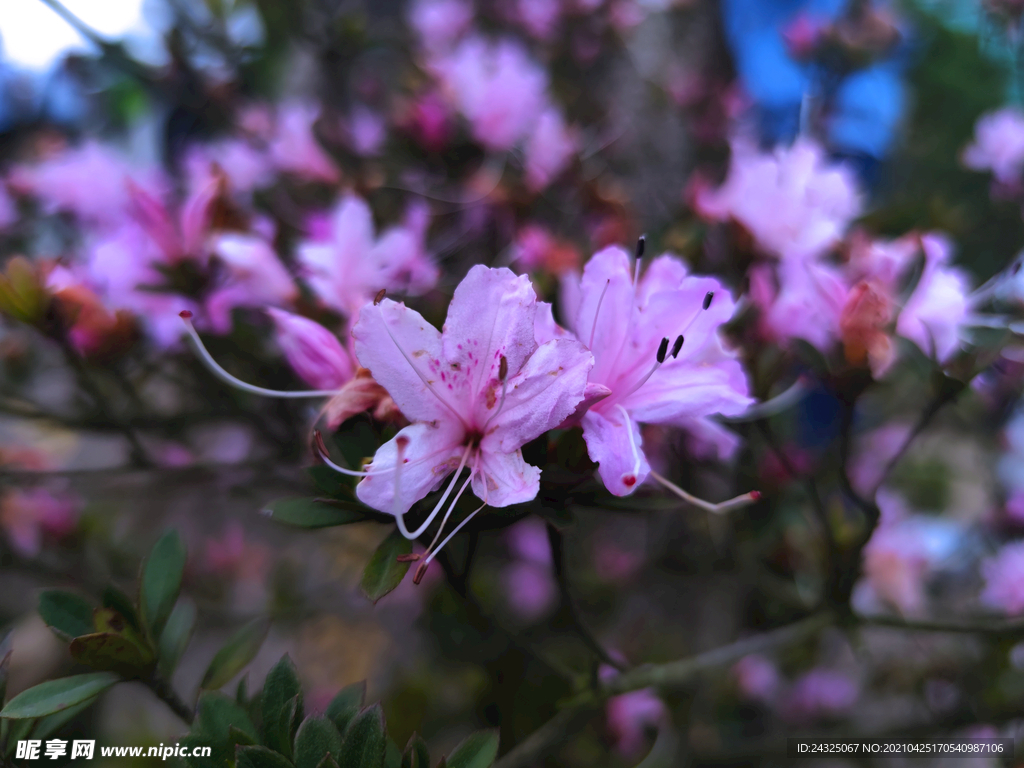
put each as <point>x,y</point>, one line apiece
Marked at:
<point>503,369</point>
<point>662,350</point>
<point>641,244</point>
<point>677,346</point>
<point>707,299</point>
<point>380,296</point>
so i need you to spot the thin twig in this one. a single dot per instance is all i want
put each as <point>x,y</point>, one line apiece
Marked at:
<point>167,695</point>
<point>928,625</point>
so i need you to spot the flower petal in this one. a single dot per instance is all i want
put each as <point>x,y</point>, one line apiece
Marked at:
<point>432,453</point>
<point>546,391</point>
<point>606,307</point>
<point>502,479</point>
<point>391,351</point>
<point>608,444</point>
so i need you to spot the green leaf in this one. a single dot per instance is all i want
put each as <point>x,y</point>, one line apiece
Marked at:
<point>478,750</point>
<point>242,691</point>
<point>236,653</point>
<point>112,652</point>
<point>330,482</point>
<point>57,695</point>
<point>317,737</point>
<point>383,573</point>
<point>161,581</point>
<point>116,599</point>
<point>365,740</point>
<point>237,736</point>
<point>176,636</point>
<point>219,723</point>
<point>314,513</point>
<point>346,705</point>
<point>5,664</point>
<point>65,613</point>
<point>392,757</point>
<point>49,725</point>
<point>328,762</point>
<point>259,757</point>
<point>18,730</point>
<point>280,689</point>
<point>416,754</point>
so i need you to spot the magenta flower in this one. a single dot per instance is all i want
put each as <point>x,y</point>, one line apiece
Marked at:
<point>820,693</point>
<point>549,149</point>
<point>253,276</point>
<point>1004,579</point>
<point>439,23</point>
<point>793,202</point>
<point>243,165</point>
<point>630,716</point>
<point>800,299</point>
<point>348,267</point>
<point>757,678</point>
<point>625,321</point>
<point>998,145</point>
<point>476,393</point>
<point>28,516</point>
<point>313,352</point>
<point>294,149</point>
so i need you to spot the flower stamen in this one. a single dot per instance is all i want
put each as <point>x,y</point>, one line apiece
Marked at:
<point>743,500</point>
<point>629,479</point>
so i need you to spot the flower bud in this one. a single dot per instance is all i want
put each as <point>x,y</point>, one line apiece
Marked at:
<point>313,352</point>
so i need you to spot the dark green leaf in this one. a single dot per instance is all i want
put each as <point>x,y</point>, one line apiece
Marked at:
<point>330,482</point>
<point>17,730</point>
<point>176,636</point>
<point>259,757</point>
<point>217,717</point>
<point>65,613</point>
<point>478,750</point>
<point>365,740</point>
<point>110,651</point>
<point>317,737</point>
<point>161,581</point>
<point>56,695</point>
<point>237,736</point>
<point>218,757</point>
<point>116,599</point>
<point>346,705</point>
<point>281,687</point>
<point>416,753</point>
<point>314,513</point>
<point>5,664</point>
<point>383,573</point>
<point>392,756</point>
<point>236,653</point>
<point>49,725</point>
<point>242,691</point>
<point>328,762</point>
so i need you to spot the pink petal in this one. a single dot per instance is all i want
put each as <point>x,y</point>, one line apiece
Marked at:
<point>503,479</point>
<point>608,444</point>
<point>314,352</point>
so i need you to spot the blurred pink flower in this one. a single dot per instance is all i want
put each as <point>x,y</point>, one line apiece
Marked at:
<point>497,87</point>
<point>630,717</point>
<point>549,150</point>
<point>624,323</point>
<point>998,145</point>
<point>253,276</point>
<point>540,18</point>
<point>1004,579</point>
<point>820,694</point>
<point>439,23</point>
<point>794,203</point>
<point>89,181</point>
<point>429,121</point>
<point>896,559</point>
<point>231,556</point>
<point>537,249</point>
<point>367,131</point>
<point>349,267</point>
<point>243,166</point>
<point>613,563</point>
<point>313,352</point>
<point>8,210</point>
<point>180,235</point>
<point>802,35</point>
<point>528,540</point>
<point>757,678</point>
<point>28,516</point>
<point>294,149</point>
<point>530,589</point>
<point>799,299</point>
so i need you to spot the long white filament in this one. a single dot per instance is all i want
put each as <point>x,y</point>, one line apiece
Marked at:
<point>740,501</point>
<point>448,514</point>
<point>632,443</point>
<point>400,516</point>
<point>223,375</point>
<point>451,535</point>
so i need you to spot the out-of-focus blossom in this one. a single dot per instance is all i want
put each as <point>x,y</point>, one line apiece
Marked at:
<point>1004,579</point>
<point>439,23</point>
<point>820,694</point>
<point>873,453</point>
<point>998,146</point>
<point>313,352</point>
<point>238,162</point>
<point>253,276</point>
<point>613,562</point>
<point>802,35</point>
<point>631,716</point>
<point>934,313</point>
<point>794,203</point>
<point>549,149</point>
<point>294,148</point>
<point>8,210</point>
<point>367,131</point>
<point>540,18</point>
<point>536,248</point>
<point>429,121</point>
<point>497,87</point>
<point>800,299</point>
<point>29,516</point>
<point>863,326</point>
<point>476,392</point>
<point>757,678</point>
<point>94,331</point>
<point>624,323</point>
<point>181,236</point>
<point>89,181</point>
<point>348,267</point>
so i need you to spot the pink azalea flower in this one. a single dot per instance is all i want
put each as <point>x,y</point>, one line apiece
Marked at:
<point>935,312</point>
<point>244,167</point>
<point>367,131</point>
<point>8,210</point>
<point>476,393</point>
<point>1004,579</point>
<point>313,352</point>
<point>294,149</point>
<point>807,302</point>
<point>89,181</point>
<point>497,87</point>
<point>624,322</point>
<point>630,716</point>
<point>353,264</point>
<point>549,149</point>
<point>998,145</point>
<point>820,693</point>
<point>541,18</point>
<point>793,202</point>
<point>530,589</point>
<point>429,122</point>
<point>253,277</point>
<point>439,23</point>
<point>28,516</point>
<point>757,678</point>
<point>181,236</point>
